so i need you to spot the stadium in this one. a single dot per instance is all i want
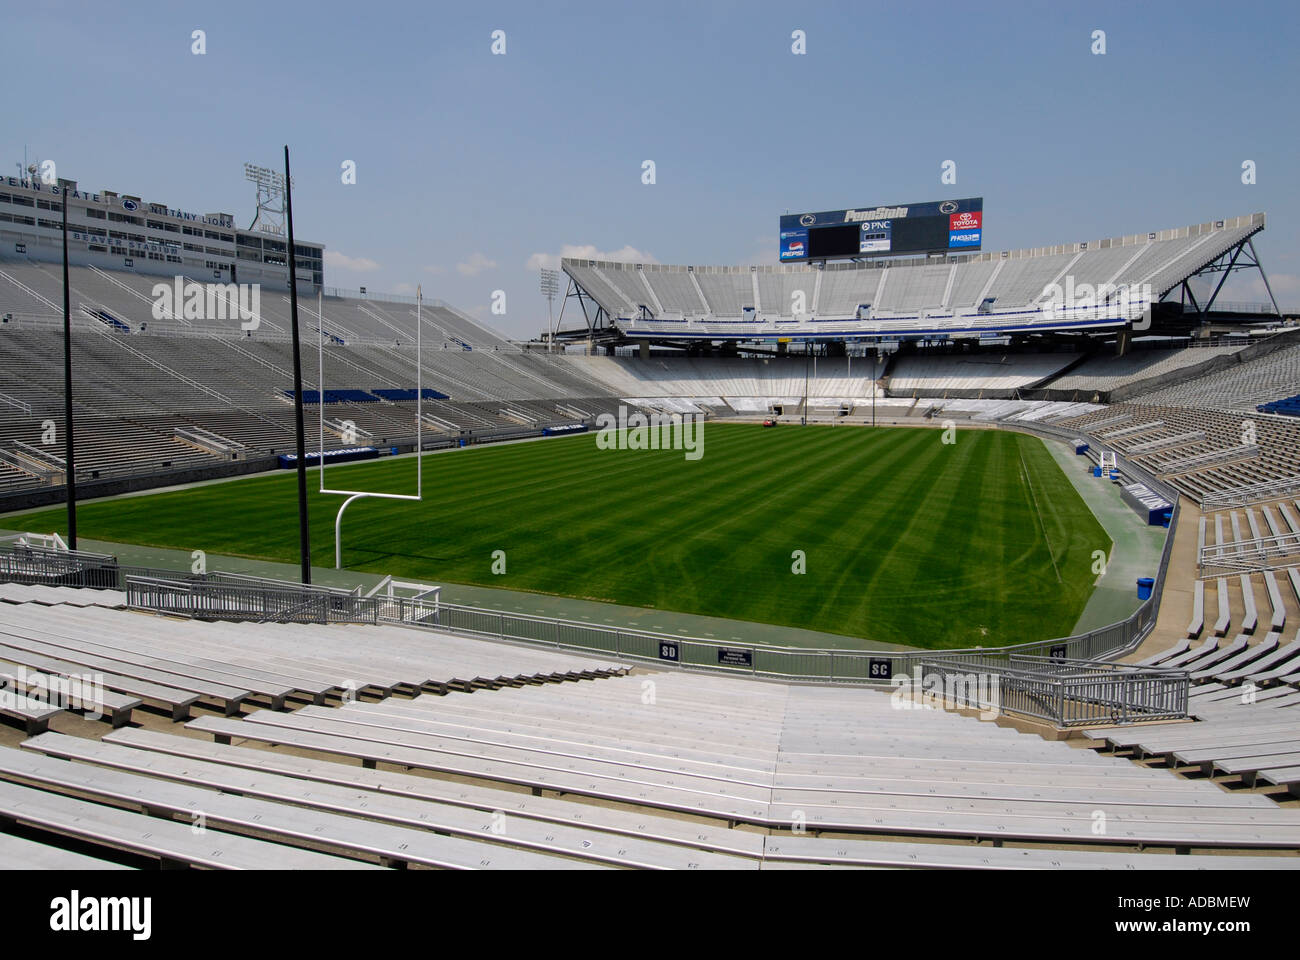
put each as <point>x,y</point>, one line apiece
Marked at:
<point>899,549</point>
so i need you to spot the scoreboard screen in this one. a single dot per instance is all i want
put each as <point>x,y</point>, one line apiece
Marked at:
<point>915,229</point>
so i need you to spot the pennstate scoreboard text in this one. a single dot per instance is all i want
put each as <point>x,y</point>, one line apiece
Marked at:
<point>944,226</point>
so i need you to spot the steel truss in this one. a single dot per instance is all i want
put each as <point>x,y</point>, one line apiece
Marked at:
<point>1236,258</point>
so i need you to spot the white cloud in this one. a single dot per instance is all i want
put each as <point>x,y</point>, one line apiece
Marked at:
<point>476,263</point>
<point>340,261</point>
<point>551,261</point>
<point>404,288</point>
<point>435,269</point>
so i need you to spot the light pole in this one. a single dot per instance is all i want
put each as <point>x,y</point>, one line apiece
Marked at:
<point>70,466</point>
<point>304,541</point>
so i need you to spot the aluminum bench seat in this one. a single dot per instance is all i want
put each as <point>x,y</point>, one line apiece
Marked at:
<point>138,654</point>
<point>936,824</point>
<point>205,647</point>
<point>221,811</point>
<point>1250,768</point>
<point>33,715</point>
<point>739,785</point>
<point>241,668</point>
<point>115,706</point>
<point>463,737</point>
<point>1217,655</point>
<point>1287,673</point>
<point>1221,662</point>
<point>1182,645</point>
<point>411,646</point>
<point>670,722</point>
<point>578,744</point>
<point>1157,735</point>
<point>1001,827</point>
<point>17,853</point>
<point>485,715</point>
<point>1225,610</point>
<point>1080,808</point>
<point>848,851</point>
<point>1216,739</point>
<point>515,804</point>
<point>1279,656</point>
<point>538,778</point>
<point>166,840</point>
<point>62,649</point>
<point>1209,645</point>
<point>1206,757</point>
<point>44,595</point>
<point>1282,776</point>
<point>1251,618</point>
<point>1232,696</point>
<point>178,702</point>
<point>967,770</point>
<point>1277,621</point>
<point>1156,790</point>
<point>352,800</point>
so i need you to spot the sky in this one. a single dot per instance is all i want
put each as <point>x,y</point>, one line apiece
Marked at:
<point>474,168</point>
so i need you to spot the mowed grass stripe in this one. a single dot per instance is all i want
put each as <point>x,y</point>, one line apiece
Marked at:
<point>908,540</point>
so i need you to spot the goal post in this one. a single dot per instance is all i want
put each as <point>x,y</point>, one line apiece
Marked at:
<point>353,495</point>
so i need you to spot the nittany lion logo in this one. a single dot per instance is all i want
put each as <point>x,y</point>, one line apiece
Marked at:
<point>807,220</point>
<point>948,206</point>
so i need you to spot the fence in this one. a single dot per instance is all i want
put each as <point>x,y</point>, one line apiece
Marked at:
<point>248,599</point>
<point>1062,691</point>
<point>31,564</point>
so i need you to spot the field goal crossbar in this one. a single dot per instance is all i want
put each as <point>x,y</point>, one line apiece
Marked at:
<point>419,419</point>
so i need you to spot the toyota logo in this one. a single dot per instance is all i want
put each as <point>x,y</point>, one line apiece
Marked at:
<point>948,206</point>
<point>807,220</point>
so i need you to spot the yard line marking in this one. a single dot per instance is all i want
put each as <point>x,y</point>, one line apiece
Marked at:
<point>1039,513</point>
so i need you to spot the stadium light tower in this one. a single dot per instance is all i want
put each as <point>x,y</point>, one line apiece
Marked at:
<point>271,190</point>
<point>550,290</point>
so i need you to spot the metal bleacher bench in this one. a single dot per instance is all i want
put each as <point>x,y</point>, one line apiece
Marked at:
<point>17,853</point>
<point>115,707</point>
<point>361,800</point>
<point>34,715</point>
<point>166,840</point>
<point>391,845</point>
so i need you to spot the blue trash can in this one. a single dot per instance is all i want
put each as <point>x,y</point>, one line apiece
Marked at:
<point>1096,471</point>
<point>1145,584</point>
<point>394,451</point>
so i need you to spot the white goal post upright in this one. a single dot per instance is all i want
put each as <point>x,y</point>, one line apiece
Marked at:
<point>419,420</point>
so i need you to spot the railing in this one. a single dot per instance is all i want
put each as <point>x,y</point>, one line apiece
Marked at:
<point>1064,692</point>
<point>30,564</point>
<point>1240,496</point>
<point>223,600</point>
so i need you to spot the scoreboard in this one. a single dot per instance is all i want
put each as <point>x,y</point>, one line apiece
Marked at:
<point>914,229</point>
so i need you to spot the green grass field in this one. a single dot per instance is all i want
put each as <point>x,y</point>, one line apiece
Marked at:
<point>906,540</point>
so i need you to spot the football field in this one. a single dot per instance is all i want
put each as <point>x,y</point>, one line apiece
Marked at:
<point>888,535</point>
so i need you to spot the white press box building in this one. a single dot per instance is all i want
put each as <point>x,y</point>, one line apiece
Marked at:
<point>118,231</point>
